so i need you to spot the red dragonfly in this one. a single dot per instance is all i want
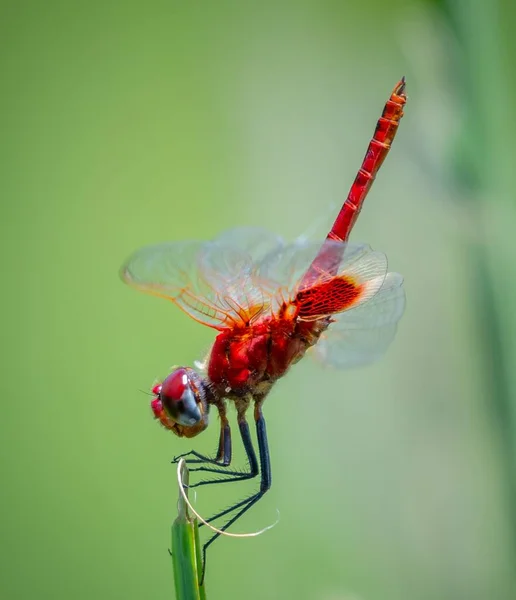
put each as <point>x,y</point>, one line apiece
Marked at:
<point>270,303</point>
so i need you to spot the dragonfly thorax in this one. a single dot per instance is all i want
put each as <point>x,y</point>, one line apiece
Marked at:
<point>250,360</point>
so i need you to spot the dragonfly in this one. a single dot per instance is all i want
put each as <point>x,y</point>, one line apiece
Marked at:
<point>270,302</point>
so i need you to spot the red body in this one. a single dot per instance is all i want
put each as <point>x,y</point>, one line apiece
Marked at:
<point>244,358</point>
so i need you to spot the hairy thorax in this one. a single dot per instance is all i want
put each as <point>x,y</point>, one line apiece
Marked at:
<point>248,360</point>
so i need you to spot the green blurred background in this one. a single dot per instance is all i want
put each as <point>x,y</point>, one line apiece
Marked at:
<point>126,123</point>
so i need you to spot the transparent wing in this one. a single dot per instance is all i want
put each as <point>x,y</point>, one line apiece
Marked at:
<point>249,272</point>
<point>213,282</point>
<point>342,275</point>
<point>363,333</point>
<point>285,268</point>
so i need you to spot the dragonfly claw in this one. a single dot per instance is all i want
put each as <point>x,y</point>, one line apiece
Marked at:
<point>199,459</point>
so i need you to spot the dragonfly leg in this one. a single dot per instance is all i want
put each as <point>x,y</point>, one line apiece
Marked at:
<point>253,471</point>
<point>265,484</point>
<point>223,455</point>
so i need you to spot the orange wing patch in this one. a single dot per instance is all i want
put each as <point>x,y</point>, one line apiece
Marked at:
<point>329,297</point>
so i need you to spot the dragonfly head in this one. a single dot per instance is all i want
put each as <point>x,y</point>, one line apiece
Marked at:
<point>180,403</point>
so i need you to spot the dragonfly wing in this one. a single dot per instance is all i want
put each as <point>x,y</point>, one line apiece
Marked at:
<point>211,281</point>
<point>233,279</point>
<point>362,334</point>
<point>254,242</point>
<point>284,267</point>
<point>170,270</point>
<point>343,276</point>
<point>229,264</point>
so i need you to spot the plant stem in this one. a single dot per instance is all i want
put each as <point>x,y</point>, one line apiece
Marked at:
<point>186,555</point>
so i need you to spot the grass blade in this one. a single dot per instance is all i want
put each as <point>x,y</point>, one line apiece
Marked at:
<point>186,554</point>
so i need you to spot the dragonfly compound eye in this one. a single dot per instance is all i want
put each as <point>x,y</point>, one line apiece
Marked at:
<point>179,399</point>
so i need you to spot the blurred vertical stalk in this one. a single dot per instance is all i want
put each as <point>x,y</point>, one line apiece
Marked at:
<point>484,170</point>
<point>186,555</point>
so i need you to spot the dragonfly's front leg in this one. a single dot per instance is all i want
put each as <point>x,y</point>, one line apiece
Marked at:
<point>252,462</point>
<point>223,455</point>
<point>253,471</point>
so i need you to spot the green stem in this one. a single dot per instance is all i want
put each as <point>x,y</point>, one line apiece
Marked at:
<point>186,554</point>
